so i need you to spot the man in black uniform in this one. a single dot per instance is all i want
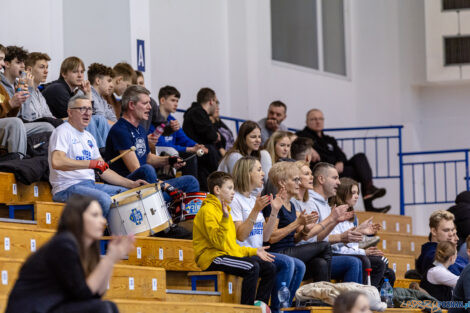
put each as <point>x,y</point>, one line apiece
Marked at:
<point>357,167</point>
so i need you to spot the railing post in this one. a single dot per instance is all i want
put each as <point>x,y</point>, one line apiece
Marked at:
<point>400,164</point>
<point>466,171</point>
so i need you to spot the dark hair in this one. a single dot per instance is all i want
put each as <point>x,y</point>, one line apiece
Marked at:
<point>319,169</point>
<point>168,91</point>
<point>3,49</point>
<point>205,95</point>
<point>279,103</point>
<point>132,93</point>
<point>71,221</point>
<point>33,57</point>
<point>299,146</point>
<point>15,52</point>
<point>125,70</point>
<point>137,75</point>
<point>240,143</point>
<point>345,301</point>
<point>344,191</point>
<point>70,64</point>
<point>217,179</point>
<point>97,70</point>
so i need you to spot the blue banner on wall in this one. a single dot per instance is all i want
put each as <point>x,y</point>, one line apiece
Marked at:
<point>140,55</point>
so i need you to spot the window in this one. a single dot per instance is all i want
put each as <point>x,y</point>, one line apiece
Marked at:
<point>310,33</point>
<point>452,5</point>
<point>457,50</point>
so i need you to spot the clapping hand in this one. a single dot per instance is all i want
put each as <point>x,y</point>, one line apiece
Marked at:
<point>351,235</point>
<point>368,228</point>
<point>341,213</point>
<point>224,209</point>
<point>261,202</point>
<point>119,247</point>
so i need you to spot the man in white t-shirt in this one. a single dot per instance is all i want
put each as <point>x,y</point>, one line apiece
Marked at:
<point>73,156</point>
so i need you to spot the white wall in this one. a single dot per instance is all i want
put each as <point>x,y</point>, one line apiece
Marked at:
<point>189,47</point>
<point>225,45</point>
<point>36,25</point>
<point>97,31</point>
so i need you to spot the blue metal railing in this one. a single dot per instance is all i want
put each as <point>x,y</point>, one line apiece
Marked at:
<point>447,170</point>
<point>355,139</point>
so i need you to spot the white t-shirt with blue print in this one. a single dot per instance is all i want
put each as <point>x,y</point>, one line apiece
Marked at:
<point>241,208</point>
<point>77,145</point>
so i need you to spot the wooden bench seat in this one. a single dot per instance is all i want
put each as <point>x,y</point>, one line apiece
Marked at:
<point>134,282</point>
<point>401,243</point>
<point>171,254</point>
<point>400,263</point>
<point>390,223</point>
<point>229,286</point>
<point>12,191</point>
<point>47,214</point>
<point>130,306</point>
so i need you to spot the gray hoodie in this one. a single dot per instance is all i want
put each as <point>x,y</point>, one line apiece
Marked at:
<point>101,107</point>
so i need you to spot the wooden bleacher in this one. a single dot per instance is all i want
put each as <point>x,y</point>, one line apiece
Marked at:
<point>170,262</point>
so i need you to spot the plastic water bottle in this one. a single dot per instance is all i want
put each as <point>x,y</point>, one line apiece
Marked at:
<point>284,295</point>
<point>159,129</point>
<point>386,293</point>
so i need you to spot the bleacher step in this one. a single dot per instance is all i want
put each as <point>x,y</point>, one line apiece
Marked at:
<point>401,243</point>
<point>132,306</point>
<point>389,222</point>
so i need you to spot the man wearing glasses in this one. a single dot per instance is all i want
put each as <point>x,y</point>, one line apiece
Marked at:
<point>73,156</point>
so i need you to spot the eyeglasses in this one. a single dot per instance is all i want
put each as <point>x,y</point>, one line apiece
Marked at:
<point>83,109</point>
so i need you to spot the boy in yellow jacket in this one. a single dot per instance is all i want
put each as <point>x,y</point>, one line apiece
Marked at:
<point>216,249</point>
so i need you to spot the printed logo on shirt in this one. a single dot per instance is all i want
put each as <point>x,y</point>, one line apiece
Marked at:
<point>86,155</point>
<point>75,141</point>
<point>257,229</point>
<point>330,147</point>
<point>168,138</point>
<point>140,148</point>
<point>90,143</point>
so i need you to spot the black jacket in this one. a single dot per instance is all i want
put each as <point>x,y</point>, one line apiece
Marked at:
<point>325,145</point>
<point>27,171</point>
<point>57,96</point>
<point>198,126</point>
<point>440,292</point>
<point>461,211</point>
<point>51,276</point>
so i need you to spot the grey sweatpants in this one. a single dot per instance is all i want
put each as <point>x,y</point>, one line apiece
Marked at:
<point>13,133</point>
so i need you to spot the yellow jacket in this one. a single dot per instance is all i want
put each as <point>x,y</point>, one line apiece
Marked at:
<point>215,235</point>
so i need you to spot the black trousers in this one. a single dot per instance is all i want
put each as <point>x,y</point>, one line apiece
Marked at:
<point>250,268</point>
<point>358,168</point>
<point>86,306</point>
<point>317,259</point>
<point>191,165</point>
<point>207,164</point>
<point>377,266</point>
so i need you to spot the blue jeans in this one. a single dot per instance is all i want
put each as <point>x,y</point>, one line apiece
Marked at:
<point>99,128</point>
<point>346,268</point>
<point>147,172</point>
<point>101,192</point>
<point>289,270</point>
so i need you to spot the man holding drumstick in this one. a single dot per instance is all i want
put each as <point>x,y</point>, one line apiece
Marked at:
<point>141,164</point>
<point>73,155</point>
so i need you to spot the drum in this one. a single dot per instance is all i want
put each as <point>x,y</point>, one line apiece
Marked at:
<point>140,211</point>
<point>188,208</point>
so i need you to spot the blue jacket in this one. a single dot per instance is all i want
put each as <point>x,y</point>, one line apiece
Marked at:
<point>178,140</point>
<point>428,250</point>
